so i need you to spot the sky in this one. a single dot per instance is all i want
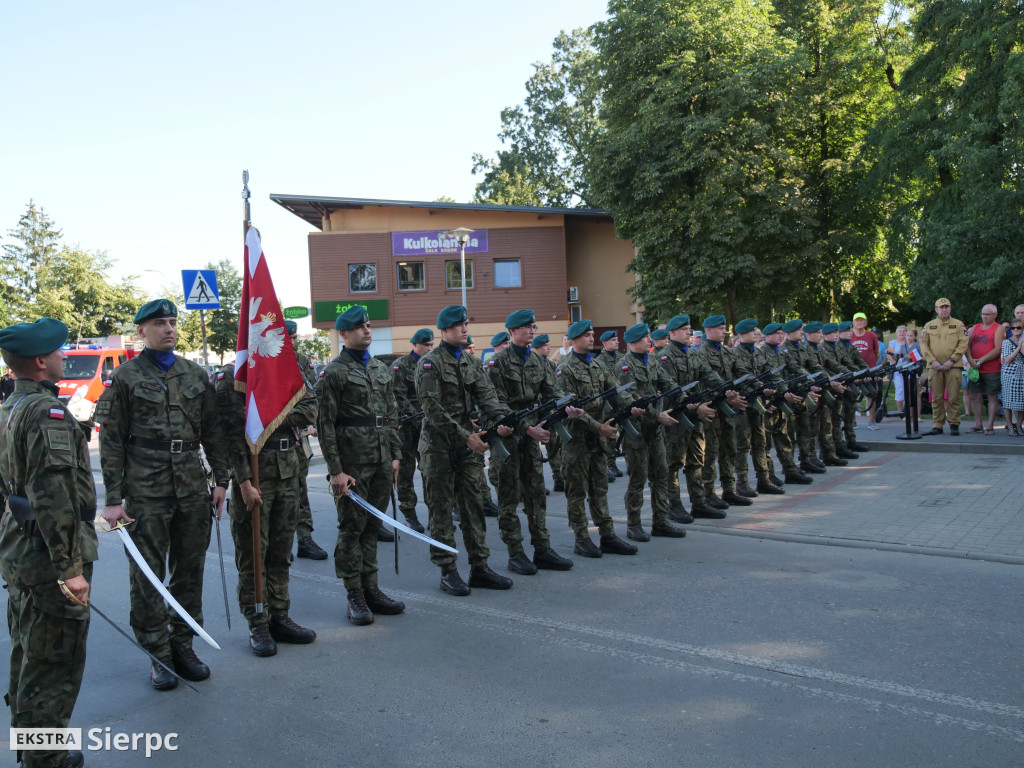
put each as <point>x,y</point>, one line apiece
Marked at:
<point>130,123</point>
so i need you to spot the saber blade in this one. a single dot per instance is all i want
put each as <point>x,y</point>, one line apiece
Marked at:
<point>223,578</point>
<point>399,526</point>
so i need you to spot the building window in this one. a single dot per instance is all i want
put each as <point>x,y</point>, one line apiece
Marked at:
<point>575,313</point>
<point>453,274</point>
<point>508,273</point>
<point>411,276</point>
<point>362,278</point>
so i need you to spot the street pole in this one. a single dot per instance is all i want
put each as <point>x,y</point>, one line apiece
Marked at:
<point>462,248</point>
<point>206,355</point>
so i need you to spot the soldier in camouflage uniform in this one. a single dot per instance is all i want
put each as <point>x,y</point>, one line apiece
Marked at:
<point>684,447</point>
<point>812,349</point>
<point>541,344</point>
<point>450,386</point>
<point>156,413</point>
<point>45,541</point>
<point>304,525</point>
<point>404,378</point>
<point>777,426</point>
<point>836,362</point>
<point>586,470</point>
<point>720,435</point>
<point>520,379</point>
<point>645,453</point>
<point>278,500</point>
<point>357,427</point>
<point>606,358</point>
<point>499,341</point>
<point>804,422</point>
<point>849,354</point>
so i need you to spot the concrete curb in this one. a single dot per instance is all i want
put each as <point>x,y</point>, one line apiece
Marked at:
<point>931,445</point>
<point>800,538</point>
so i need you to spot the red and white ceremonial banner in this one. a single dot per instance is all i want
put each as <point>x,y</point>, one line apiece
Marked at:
<point>916,356</point>
<point>265,365</point>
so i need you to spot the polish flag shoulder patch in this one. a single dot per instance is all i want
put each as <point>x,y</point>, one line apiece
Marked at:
<point>663,357</point>
<point>394,367</point>
<point>625,367</point>
<point>57,413</point>
<point>558,372</point>
<point>427,366</point>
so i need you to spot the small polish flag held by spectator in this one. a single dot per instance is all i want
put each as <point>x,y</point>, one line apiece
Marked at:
<point>916,356</point>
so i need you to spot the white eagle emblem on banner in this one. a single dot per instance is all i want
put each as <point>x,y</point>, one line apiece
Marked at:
<point>263,340</point>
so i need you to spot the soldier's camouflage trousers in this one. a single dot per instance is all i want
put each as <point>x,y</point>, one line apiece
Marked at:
<point>521,478</point>
<point>410,437</point>
<point>172,535</point>
<point>838,440</point>
<point>277,530</point>
<point>586,478</point>
<point>304,517</point>
<point>824,420</point>
<point>48,639</point>
<point>455,480</point>
<point>779,427</point>
<point>355,553</point>
<point>685,450</point>
<point>645,459</point>
<point>720,444</point>
<point>805,425</point>
<point>554,453</point>
<point>850,417</point>
<point>755,426</point>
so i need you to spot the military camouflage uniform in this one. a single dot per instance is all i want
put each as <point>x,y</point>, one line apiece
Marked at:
<point>804,422</point>
<point>586,473</point>
<point>304,519</point>
<point>685,447</point>
<point>849,354</point>
<point>777,423</point>
<point>553,449</point>
<point>820,361</point>
<point>520,384</point>
<point>645,454</point>
<point>720,435</point>
<point>449,389</point>
<point>834,362</point>
<point>144,414</point>
<point>751,438</point>
<point>357,429</point>
<point>404,378</point>
<point>281,491</point>
<point>44,456</point>
<point>607,360</point>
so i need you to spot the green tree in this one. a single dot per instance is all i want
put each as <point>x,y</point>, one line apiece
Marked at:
<point>547,139</point>
<point>318,348</point>
<point>954,141</point>
<point>35,248</point>
<point>691,163</point>
<point>222,324</point>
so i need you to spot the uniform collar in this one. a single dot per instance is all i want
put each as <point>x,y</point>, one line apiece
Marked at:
<point>678,345</point>
<point>748,345</point>
<point>523,352</point>
<point>456,352</point>
<point>359,355</point>
<point>28,387</point>
<point>162,360</point>
<point>585,358</point>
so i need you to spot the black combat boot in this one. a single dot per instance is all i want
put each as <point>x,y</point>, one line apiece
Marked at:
<point>701,508</point>
<point>735,499</point>
<point>414,522</point>
<point>384,534</point>
<point>187,664</point>
<point>811,469</point>
<point>260,641</point>
<point>381,603</point>
<point>715,503</point>
<point>614,469</point>
<point>549,560</point>
<point>798,478</point>
<point>613,545</point>
<point>162,679</point>
<point>853,445</point>
<point>482,577</point>
<point>520,563</point>
<point>744,489</point>
<point>559,484</point>
<point>835,461</point>
<point>284,630</point>
<point>586,547</point>
<point>452,583</point>
<point>845,453</point>
<point>310,549</point>
<point>490,508</point>
<point>765,485</point>
<point>359,612</point>
<point>668,530</point>
<point>637,533</point>
<point>776,480</point>
<point>677,512</point>
<point>611,476</point>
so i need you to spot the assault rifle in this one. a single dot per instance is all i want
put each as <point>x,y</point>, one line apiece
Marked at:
<point>622,416</point>
<point>713,396</point>
<point>753,389</point>
<point>513,419</point>
<point>557,419</point>
<point>411,418</point>
<point>801,387</point>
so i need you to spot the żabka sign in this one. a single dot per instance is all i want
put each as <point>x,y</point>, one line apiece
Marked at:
<point>435,242</point>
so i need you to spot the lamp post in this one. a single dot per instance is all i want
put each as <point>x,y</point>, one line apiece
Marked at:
<point>461,235</point>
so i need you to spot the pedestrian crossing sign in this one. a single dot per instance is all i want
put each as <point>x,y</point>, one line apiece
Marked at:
<point>200,286</point>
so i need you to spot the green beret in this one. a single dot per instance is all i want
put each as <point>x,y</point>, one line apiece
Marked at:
<point>540,341</point>
<point>577,329</point>
<point>845,326</point>
<point>677,322</point>
<point>659,333</point>
<point>636,332</point>
<point>499,338</point>
<point>422,336</point>
<point>469,339</point>
<point>793,325</point>
<point>813,327</point>
<point>34,339</point>
<point>771,328</point>
<point>607,335</point>
<point>713,321</point>
<point>154,309</point>
<point>830,328</point>
<point>291,326</point>
<point>351,318</point>
<point>746,326</point>
<point>519,318</point>
<point>451,315</point>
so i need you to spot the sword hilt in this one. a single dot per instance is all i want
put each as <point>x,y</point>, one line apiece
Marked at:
<point>109,528</point>
<point>71,595</point>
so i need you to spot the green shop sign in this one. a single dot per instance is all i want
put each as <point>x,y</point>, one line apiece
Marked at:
<point>295,313</point>
<point>328,311</point>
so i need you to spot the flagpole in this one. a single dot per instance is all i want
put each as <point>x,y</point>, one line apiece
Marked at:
<point>254,459</point>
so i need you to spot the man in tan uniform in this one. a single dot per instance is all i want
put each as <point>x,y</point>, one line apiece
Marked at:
<point>943,344</point>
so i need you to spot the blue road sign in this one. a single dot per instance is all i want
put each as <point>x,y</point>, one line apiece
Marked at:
<point>200,287</point>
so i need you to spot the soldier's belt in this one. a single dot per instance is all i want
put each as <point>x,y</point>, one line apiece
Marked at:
<point>171,446</point>
<point>377,422</point>
<point>284,444</point>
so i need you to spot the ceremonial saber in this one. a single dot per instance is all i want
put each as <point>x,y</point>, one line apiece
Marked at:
<point>223,578</point>
<point>398,526</point>
<point>140,561</point>
<point>394,515</point>
<point>92,605</point>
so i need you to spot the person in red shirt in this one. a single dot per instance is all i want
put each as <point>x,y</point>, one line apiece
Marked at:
<point>983,352</point>
<point>866,343</point>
